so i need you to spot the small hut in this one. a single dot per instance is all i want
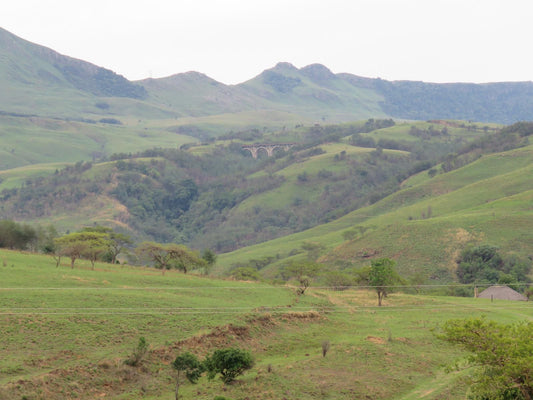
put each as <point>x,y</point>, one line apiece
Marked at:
<point>501,293</point>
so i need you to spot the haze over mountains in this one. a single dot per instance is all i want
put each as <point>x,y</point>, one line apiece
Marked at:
<point>38,80</point>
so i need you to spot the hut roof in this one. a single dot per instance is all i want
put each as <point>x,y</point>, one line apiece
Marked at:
<point>501,293</point>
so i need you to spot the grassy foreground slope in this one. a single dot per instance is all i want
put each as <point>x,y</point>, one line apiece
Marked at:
<point>425,226</point>
<point>67,332</point>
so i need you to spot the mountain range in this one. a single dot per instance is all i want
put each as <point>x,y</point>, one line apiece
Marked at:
<point>36,80</point>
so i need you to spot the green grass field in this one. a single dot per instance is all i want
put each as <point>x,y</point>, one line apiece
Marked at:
<point>66,333</point>
<point>26,141</point>
<point>16,177</point>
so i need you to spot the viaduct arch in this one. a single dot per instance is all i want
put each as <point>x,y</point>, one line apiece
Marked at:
<point>268,147</point>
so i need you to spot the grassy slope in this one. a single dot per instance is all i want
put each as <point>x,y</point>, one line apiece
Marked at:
<point>400,131</point>
<point>487,201</point>
<point>66,333</point>
<point>216,125</point>
<point>293,189</point>
<point>195,94</point>
<point>16,177</point>
<point>150,134</point>
<point>28,141</point>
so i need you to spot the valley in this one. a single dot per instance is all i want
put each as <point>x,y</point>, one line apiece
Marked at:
<point>136,225</point>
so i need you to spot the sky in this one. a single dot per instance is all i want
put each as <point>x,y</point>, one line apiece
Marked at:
<point>234,40</point>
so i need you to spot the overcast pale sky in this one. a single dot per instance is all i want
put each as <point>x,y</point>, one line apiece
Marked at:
<point>234,40</point>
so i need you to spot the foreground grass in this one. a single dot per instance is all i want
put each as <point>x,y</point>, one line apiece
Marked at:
<point>66,333</point>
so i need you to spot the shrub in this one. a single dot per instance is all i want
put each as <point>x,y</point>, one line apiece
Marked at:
<point>112,121</point>
<point>229,363</point>
<point>245,274</point>
<point>503,353</point>
<point>138,353</point>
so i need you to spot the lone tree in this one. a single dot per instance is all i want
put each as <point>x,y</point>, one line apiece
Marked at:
<point>187,364</point>
<point>503,352</point>
<point>381,276</point>
<point>210,258</point>
<point>167,256</point>
<point>229,363</point>
<point>303,272</point>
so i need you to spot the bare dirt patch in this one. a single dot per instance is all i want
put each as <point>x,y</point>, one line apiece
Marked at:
<point>375,340</point>
<point>296,315</point>
<point>457,240</point>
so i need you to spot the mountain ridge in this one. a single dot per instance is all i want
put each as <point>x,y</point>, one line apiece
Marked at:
<point>82,75</point>
<point>41,80</point>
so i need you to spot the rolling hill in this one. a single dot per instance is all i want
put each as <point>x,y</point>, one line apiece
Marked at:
<point>425,225</point>
<point>216,196</point>
<point>39,81</point>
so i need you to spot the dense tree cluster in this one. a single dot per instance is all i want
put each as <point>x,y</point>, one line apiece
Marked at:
<point>483,264</point>
<point>17,236</point>
<point>103,82</point>
<point>279,82</point>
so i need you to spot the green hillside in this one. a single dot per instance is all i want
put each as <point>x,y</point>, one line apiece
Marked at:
<point>40,81</point>
<point>233,200</point>
<point>425,226</point>
<point>195,94</point>
<point>315,91</point>
<point>60,109</point>
<point>28,141</point>
<point>67,333</point>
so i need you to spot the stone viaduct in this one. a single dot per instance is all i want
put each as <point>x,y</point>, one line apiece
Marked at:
<point>268,147</point>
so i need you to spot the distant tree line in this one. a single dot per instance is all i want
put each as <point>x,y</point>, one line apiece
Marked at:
<point>457,101</point>
<point>511,137</point>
